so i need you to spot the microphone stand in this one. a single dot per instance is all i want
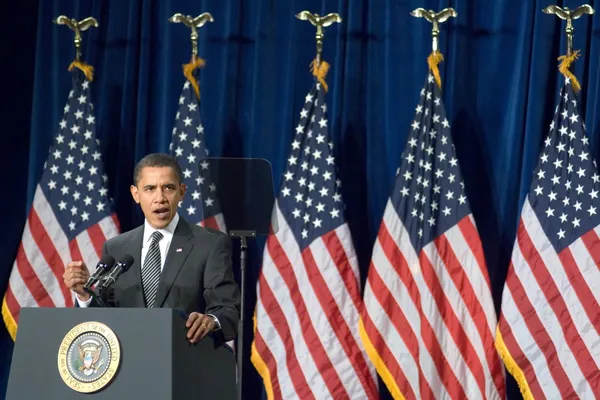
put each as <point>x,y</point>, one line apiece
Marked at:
<point>243,235</point>
<point>98,298</point>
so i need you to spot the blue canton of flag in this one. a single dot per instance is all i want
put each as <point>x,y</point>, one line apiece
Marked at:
<point>73,180</point>
<point>200,204</point>
<point>310,191</point>
<point>429,192</point>
<point>564,192</point>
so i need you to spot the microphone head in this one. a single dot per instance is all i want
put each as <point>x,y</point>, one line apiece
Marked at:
<point>106,263</point>
<point>126,262</point>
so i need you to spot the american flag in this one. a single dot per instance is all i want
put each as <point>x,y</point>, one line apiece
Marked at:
<point>429,318</point>
<point>71,216</point>
<point>306,342</point>
<point>549,328</point>
<point>200,204</point>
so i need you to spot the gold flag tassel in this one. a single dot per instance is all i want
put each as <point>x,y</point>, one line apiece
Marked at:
<point>319,67</point>
<point>87,70</point>
<point>565,64</point>
<point>435,18</point>
<point>433,61</point>
<point>188,72</point>
<point>319,71</point>
<point>569,15</point>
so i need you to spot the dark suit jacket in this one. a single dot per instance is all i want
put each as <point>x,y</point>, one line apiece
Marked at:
<point>198,277</point>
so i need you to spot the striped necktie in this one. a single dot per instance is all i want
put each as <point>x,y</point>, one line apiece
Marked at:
<point>151,270</point>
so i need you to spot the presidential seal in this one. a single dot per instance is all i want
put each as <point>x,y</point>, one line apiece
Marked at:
<point>89,357</point>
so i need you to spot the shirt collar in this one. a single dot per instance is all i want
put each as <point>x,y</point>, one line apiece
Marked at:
<point>167,231</point>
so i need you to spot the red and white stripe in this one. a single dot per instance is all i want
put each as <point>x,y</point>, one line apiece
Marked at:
<point>550,322</point>
<point>307,344</point>
<point>215,222</point>
<point>428,320</point>
<point>36,278</point>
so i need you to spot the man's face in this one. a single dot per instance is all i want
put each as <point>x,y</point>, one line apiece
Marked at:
<point>158,192</point>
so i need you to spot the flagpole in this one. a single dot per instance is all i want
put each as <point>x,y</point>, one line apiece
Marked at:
<point>569,15</point>
<point>193,23</point>
<point>546,231</point>
<point>435,19</point>
<point>77,27</point>
<point>243,235</point>
<point>320,23</point>
<point>306,295</point>
<point>568,59</point>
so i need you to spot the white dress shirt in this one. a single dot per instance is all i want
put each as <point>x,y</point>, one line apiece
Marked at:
<point>163,244</point>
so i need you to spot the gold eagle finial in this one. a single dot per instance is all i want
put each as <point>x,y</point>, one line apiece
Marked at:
<point>77,27</point>
<point>320,23</point>
<point>569,15</point>
<point>193,23</point>
<point>435,19</point>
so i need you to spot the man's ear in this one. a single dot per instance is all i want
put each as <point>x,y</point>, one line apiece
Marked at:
<point>134,193</point>
<point>182,189</point>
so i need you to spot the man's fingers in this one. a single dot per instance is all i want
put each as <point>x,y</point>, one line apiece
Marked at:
<point>193,317</point>
<point>195,325</point>
<point>78,279</point>
<point>76,282</point>
<point>76,276</point>
<point>205,326</point>
<point>75,264</point>
<point>199,325</point>
<point>199,334</point>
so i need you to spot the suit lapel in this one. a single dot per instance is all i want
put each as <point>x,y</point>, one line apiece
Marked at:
<point>179,249</point>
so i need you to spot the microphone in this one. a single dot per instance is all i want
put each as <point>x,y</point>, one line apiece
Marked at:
<point>121,267</point>
<point>103,266</point>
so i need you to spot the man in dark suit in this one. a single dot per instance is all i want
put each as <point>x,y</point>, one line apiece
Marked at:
<point>176,264</point>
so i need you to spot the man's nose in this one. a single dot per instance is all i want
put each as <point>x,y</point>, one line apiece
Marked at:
<point>160,196</point>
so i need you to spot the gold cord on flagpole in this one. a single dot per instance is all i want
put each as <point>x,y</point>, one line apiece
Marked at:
<point>435,19</point>
<point>569,58</point>
<point>195,62</point>
<point>319,67</point>
<point>78,27</point>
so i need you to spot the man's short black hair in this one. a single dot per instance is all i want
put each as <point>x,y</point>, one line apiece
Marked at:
<point>157,160</point>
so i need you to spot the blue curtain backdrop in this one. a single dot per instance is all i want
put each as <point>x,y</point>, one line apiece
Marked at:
<point>500,82</point>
